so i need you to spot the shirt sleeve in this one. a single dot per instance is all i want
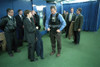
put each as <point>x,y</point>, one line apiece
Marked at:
<point>63,22</point>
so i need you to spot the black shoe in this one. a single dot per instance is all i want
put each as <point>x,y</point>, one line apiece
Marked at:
<point>34,60</point>
<point>17,51</point>
<point>42,57</point>
<point>11,55</point>
<point>76,43</point>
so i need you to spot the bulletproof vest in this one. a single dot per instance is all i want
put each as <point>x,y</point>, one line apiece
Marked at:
<point>54,23</point>
<point>11,25</point>
<point>54,20</point>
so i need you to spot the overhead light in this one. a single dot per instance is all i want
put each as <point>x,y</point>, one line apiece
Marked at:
<point>33,5</point>
<point>40,8</point>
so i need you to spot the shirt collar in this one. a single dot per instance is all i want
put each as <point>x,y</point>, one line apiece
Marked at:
<point>20,15</point>
<point>9,16</point>
<point>78,14</point>
<point>29,19</point>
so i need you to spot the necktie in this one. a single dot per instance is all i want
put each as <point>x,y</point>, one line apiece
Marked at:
<point>70,17</point>
<point>21,17</point>
<point>12,18</point>
<point>30,20</point>
<point>33,19</point>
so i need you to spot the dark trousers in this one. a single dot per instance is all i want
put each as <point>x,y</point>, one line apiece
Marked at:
<point>20,36</point>
<point>67,29</point>
<point>31,50</point>
<point>11,39</point>
<point>54,38</point>
<point>76,37</point>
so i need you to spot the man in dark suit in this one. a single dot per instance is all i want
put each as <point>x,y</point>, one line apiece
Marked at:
<point>20,29</point>
<point>77,26</point>
<point>66,16</point>
<point>31,34</point>
<point>36,19</point>
<point>69,19</point>
<point>9,25</point>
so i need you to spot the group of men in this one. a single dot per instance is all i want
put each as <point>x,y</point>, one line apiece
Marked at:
<point>28,25</point>
<point>16,31</point>
<point>74,24</point>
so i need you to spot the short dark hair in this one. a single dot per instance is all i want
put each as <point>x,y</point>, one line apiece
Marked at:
<point>26,12</point>
<point>79,9</point>
<point>9,9</point>
<point>19,10</point>
<point>53,7</point>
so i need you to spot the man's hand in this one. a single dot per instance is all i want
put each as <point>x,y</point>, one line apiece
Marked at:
<point>37,27</point>
<point>48,29</point>
<point>79,30</point>
<point>73,21</point>
<point>23,26</point>
<point>58,31</point>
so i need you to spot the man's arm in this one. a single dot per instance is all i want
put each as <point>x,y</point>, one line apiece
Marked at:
<point>3,23</point>
<point>74,17</point>
<point>81,22</point>
<point>63,22</point>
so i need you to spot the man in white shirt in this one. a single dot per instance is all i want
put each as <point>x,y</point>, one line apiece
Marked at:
<point>69,20</point>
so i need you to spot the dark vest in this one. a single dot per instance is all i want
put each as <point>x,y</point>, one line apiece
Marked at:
<point>11,25</point>
<point>54,23</point>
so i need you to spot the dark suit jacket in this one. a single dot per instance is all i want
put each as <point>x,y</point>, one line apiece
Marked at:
<point>37,21</point>
<point>78,22</point>
<point>4,22</point>
<point>30,30</point>
<point>73,18</point>
<point>19,22</point>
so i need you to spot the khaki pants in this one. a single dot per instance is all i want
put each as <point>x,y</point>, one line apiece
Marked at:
<point>70,31</point>
<point>2,38</point>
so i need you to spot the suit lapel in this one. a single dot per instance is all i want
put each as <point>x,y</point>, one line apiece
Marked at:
<point>19,17</point>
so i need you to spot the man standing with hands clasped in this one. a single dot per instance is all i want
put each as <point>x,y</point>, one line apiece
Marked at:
<point>55,24</point>
<point>77,26</point>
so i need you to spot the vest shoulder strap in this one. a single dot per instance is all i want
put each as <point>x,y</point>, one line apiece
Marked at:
<point>56,15</point>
